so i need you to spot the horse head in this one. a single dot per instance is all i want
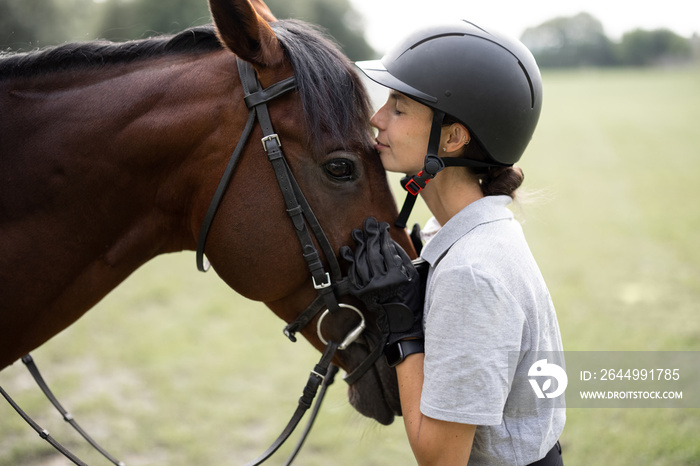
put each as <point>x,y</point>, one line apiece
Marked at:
<point>323,127</point>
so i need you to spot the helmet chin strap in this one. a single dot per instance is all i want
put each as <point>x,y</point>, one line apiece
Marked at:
<point>431,167</point>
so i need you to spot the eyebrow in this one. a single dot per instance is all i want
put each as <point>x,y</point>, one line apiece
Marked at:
<point>396,95</point>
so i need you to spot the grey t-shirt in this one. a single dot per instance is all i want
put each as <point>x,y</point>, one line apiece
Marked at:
<point>487,308</point>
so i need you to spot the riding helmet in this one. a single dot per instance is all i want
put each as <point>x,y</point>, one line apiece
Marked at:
<point>488,81</point>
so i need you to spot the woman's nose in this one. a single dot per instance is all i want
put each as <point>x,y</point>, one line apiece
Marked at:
<point>376,119</point>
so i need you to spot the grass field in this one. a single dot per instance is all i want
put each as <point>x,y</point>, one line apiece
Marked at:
<point>173,368</point>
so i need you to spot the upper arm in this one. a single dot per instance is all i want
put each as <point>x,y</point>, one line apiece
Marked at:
<point>442,442</point>
<point>433,441</point>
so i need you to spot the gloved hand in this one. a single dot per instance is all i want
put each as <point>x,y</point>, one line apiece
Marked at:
<point>382,275</point>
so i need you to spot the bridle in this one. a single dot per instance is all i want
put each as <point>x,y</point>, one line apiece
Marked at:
<point>329,285</point>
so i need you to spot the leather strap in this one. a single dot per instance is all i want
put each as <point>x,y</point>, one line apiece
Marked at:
<point>316,378</point>
<point>43,433</point>
<point>327,381</point>
<point>220,191</point>
<point>321,376</point>
<point>260,97</point>
<point>297,207</point>
<point>416,183</point>
<point>367,363</point>
<point>34,370</point>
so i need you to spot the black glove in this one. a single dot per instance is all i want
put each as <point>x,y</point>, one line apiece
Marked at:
<point>416,239</point>
<point>382,275</point>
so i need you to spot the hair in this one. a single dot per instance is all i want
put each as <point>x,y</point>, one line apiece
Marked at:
<point>99,53</point>
<point>334,100</point>
<point>495,180</point>
<point>333,96</point>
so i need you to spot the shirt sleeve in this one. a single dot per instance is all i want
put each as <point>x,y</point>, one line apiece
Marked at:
<point>473,328</point>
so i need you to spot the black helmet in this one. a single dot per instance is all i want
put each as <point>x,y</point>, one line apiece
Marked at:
<point>488,81</point>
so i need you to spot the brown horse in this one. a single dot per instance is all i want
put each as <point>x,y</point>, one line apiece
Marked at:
<point>110,155</point>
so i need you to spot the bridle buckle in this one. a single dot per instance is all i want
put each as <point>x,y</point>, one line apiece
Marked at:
<point>321,286</point>
<point>269,138</point>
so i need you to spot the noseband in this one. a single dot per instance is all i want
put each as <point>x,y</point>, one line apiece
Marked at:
<point>328,284</point>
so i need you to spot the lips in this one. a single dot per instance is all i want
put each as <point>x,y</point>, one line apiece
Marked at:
<point>379,145</point>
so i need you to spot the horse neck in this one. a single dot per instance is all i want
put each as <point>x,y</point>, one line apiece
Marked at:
<point>102,170</point>
<point>140,133</point>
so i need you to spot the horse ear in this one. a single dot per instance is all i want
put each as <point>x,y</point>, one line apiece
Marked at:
<point>263,10</point>
<point>245,31</point>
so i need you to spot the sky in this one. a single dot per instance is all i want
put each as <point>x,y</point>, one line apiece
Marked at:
<point>388,20</point>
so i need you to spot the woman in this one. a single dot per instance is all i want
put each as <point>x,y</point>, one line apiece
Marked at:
<point>472,98</point>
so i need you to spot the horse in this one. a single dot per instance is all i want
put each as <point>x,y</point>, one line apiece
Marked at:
<point>110,155</point>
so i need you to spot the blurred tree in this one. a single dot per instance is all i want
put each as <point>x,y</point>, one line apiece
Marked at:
<point>560,42</point>
<point>570,41</point>
<point>644,48</point>
<point>338,17</point>
<point>129,19</point>
<point>26,24</point>
<point>29,24</point>
<point>137,19</point>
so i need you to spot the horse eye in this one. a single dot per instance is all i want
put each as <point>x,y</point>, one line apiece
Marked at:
<point>340,169</point>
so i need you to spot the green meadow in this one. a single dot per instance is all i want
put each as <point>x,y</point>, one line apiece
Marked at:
<point>173,368</point>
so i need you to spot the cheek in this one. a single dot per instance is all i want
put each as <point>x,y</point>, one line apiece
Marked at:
<point>414,147</point>
<point>389,161</point>
<point>408,144</point>
<point>403,158</point>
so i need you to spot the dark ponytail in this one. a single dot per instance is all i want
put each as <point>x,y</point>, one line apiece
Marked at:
<point>501,181</point>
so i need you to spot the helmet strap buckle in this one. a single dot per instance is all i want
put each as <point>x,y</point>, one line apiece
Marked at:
<point>415,184</point>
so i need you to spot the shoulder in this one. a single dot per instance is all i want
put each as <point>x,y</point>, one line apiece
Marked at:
<point>497,248</point>
<point>462,294</point>
<point>475,223</point>
<point>490,264</point>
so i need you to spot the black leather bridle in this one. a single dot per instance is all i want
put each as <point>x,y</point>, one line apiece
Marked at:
<point>299,211</point>
<point>328,284</point>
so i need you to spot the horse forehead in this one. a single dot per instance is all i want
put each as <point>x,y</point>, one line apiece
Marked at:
<point>300,139</point>
<point>269,76</point>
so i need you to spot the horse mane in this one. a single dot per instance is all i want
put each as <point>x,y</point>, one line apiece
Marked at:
<point>334,99</point>
<point>332,93</point>
<point>99,53</point>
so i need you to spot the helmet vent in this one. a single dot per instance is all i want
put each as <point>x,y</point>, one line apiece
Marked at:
<point>529,82</point>
<point>474,25</point>
<point>438,36</point>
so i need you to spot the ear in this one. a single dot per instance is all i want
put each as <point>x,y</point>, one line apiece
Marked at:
<point>242,30</point>
<point>263,10</point>
<point>454,137</point>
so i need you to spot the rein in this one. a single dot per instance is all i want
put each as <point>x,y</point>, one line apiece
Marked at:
<point>328,284</point>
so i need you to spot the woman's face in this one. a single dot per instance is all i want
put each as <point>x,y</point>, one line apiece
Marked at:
<point>403,130</point>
